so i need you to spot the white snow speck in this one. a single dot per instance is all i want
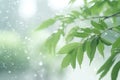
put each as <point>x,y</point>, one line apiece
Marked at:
<point>9,72</point>
<point>40,63</point>
<point>28,57</point>
<point>35,75</point>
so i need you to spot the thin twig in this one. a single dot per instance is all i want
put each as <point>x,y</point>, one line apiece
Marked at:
<point>104,17</point>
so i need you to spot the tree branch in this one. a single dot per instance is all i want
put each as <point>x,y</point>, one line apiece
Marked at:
<point>104,17</point>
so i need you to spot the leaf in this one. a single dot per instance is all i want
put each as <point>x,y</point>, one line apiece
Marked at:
<point>87,30</point>
<point>105,41</point>
<point>96,31</point>
<point>82,35</point>
<point>71,34</point>
<point>115,45</point>
<point>68,20</point>
<point>97,25</point>
<point>52,41</point>
<point>115,71</point>
<point>100,47</point>
<point>109,37</point>
<point>68,47</point>
<point>113,3</point>
<point>95,10</point>
<point>84,44</point>
<point>71,1</point>
<point>116,29</point>
<point>46,24</point>
<point>80,54</point>
<point>75,13</point>
<point>103,24</point>
<point>91,47</point>
<point>77,32</point>
<point>88,47</point>
<point>106,66</point>
<point>73,58</point>
<point>85,12</point>
<point>66,61</point>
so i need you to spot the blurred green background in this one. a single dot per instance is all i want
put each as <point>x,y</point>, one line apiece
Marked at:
<point>20,56</point>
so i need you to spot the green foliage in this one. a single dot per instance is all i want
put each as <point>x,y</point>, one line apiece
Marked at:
<point>115,46</point>
<point>80,54</point>
<point>66,60</point>
<point>106,66</point>
<point>71,34</point>
<point>71,50</point>
<point>46,24</point>
<point>72,1</point>
<point>67,48</point>
<point>101,48</point>
<point>52,41</point>
<point>91,47</point>
<point>103,31</point>
<point>115,71</point>
<point>97,25</point>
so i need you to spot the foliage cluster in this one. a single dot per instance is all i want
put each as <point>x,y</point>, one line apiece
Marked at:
<point>104,30</point>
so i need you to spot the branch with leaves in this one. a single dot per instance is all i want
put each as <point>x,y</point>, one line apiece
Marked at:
<point>93,38</point>
<point>103,17</point>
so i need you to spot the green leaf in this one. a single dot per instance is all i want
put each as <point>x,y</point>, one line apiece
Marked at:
<point>113,3</point>
<point>80,54</point>
<point>97,25</point>
<point>96,31</point>
<point>68,47</point>
<point>71,34</point>
<point>68,20</point>
<point>95,10</point>
<point>115,45</point>
<point>78,32</point>
<point>71,1</point>
<point>82,35</point>
<point>91,47</point>
<point>86,12</point>
<point>52,41</point>
<point>87,30</point>
<point>101,48</point>
<point>103,24</point>
<point>73,58</point>
<point>116,29</point>
<point>105,41</point>
<point>88,47</point>
<point>109,37</point>
<point>46,24</point>
<point>75,13</point>
<point>115,71</point>
<point>106,66</point>
<point>84,44</point>
<point>66,61</point>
